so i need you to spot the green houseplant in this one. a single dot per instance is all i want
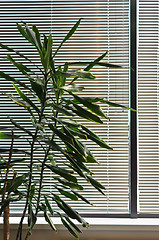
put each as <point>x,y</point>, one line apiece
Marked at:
<point>52,100</point>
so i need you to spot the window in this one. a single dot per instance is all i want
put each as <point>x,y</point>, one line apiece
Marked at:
<point>107,25</point>
<point>148,140</point>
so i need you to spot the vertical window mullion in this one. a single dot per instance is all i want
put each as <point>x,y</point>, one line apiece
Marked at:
<point>133,104</point>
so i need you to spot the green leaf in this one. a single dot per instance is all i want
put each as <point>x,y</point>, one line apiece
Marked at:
<point>70,33</point>
<point>17,182</point>
<point>37,88</point>
<point>84,223</point>
<point>97,63</point>
<point>18,160</point>
<point>91,159</point>
<point>60,109</point>
<point>30,36</point>
<point>69,140</point>
<point>62,172</point>
<point>83,198</point>
<point>7,136</point>
<point>77,156</point>
<point>60,79</point>
<point>23,32</point>
<point>11,79</point>
<point>44,49</point>
<point>83,166</point>
<point>48,52</point>
<point>54,146</point>
<point>52,161</point>
<point>76,132</point>
<point>2,150</point>
<point>74,165</point>
<point>12,198</point>
<point>100,190</point>
<point>117,105</point>
<point>93,107</point>
<point>70,184</point>
<point>19,102</point>
<point>18,53</point>
<point>65,68</point>
<point>69,122</point>
<point>73,225</point>
<point>78,73</point>
<point>58,200</point>
<point>26,99</point>
<point>49,206</point>
<point>31,218</point>
<point>68,194</point>
<point>108,65</point>
<point>85,114</point>
<point>60,134</point>
<point>37,34</point>
<point>32,192</point>
<point>89,156</point>
<point>72,88</point>
<point>92,64</point>
<point>85,74</point>
<point>68,227</point>
<point>3,165</point>
<point>95,183</point>
<point>91,135</point>
<point>72,213</point>
<point>80,147</point>
<point>45,43</point>
<point>42,207</point>
<point>22,68</point>
<point>107,102</point>
<point>69,211</point>
<point>48,219</point>
<point>20,127</point>
<point>93,99</point>
<point>75,142</point>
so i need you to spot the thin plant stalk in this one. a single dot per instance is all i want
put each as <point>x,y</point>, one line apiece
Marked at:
<point>6,230</point>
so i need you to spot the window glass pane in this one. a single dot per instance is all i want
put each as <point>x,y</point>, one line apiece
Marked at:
<point>105,27</point>
<point>148,99</point>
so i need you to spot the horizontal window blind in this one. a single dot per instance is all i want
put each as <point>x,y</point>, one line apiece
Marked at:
<point>32,12</point>
<point>105,26</point>
<point>148,103</point>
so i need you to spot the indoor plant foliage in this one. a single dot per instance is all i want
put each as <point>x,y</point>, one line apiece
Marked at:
<point>51,98</point>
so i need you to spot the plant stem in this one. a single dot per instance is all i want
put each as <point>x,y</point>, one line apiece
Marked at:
<point>8,166</point>
<point>31,160</point>
<point>41,178</point>
<point>46,154</point>
<point>28,191</point>
<point>6,232</point>
<point>31,163</point>
<point>43,164</point>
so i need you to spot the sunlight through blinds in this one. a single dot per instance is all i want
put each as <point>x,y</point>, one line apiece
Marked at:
<point>104,27</point>
<point>148,106</point>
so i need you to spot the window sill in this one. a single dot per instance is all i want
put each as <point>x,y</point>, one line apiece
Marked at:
<point>115,224</point>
